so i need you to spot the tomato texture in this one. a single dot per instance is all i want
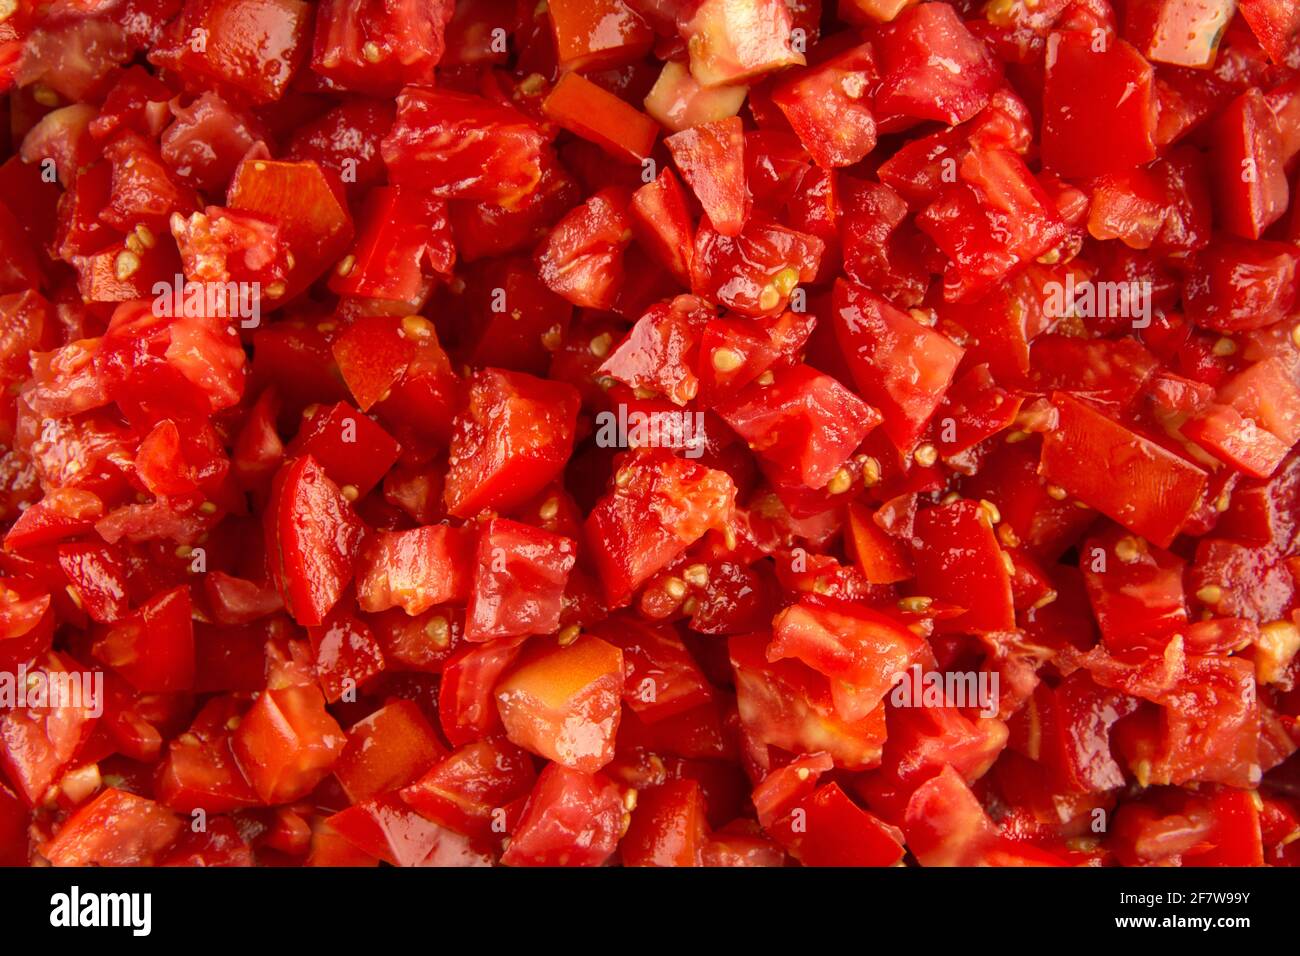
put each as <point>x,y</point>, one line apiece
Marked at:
<point>655,433</point>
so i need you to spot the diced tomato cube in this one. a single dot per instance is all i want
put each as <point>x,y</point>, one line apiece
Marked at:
<point>562,702</point>
<point>571,819</point>
<point>287,743</point>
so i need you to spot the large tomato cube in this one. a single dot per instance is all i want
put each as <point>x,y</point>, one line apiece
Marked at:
<point>387,750</point>
<point>511,441</point>
<point>571,819</point>
<point>353,450</point>
<point>1124,475</point>
<point>459,146</point>
<point>117,828</point>
<point>829,106</point>
<point>154,647</point>
<point>933,67</point>
<point>959,560</point>
<point>287,743</point>
<point>900,366</point>
<point>711,158</point>
<point>1098,107</point>
<point>563,702</point>
<point>805,424</point>
<point>519,581</point>
<point>660,505</point>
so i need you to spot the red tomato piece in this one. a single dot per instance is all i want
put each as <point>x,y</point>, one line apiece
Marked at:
<point>805,424</point>
<point>662,224</point>
<point>1181,34</point>
<point>1124,475</point>
<point>932,67</point>
<point>469,789</point>
<point>251,47</point>
<point>518,586</point>
<point>1098,106</point>
<point>467,707</point>
<point>571,819</point>
<point>416,569</point>
<point>711,158</point>
<point>1251,191</point>
<point>789,705</point>
<point>1235,286</point>
<point>152,648</point>
<point>593,35</point>
<point>459,146</point>
<point>668,827</point>
<point>661,679</point>
<point>756,272</point>
<point>346,653</point>
<point>562,702</point>
<point>312,538</point>
<point>959,560</point>
<point>829,829</point>
<point>404,240</point>
<point>512,440</point>
<point>900,366</point>
<point>377,46</point>
<point>354,451</point>
<point>586,110</point>
<point>386,751</point>
<point>117,828</point>
<point>581,259</point>
<point>861,651</point>
<point>829,107</point>
<point>660,505</point>
<point>287,743</point>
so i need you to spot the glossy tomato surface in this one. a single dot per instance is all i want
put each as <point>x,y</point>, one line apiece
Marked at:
<point>656,433</point>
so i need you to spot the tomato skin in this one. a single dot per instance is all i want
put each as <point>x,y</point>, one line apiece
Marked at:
<point>313,537</point>
<point>571,819</point>
<point>1098,114</point>
<point>1147,489</point>
<point>562,702</point>
<point>468,788</point>
<point>513,438</point>
<point>519,582</point>
<point>440,142</point>
<point>117,828</point>
<point>287,743</point>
